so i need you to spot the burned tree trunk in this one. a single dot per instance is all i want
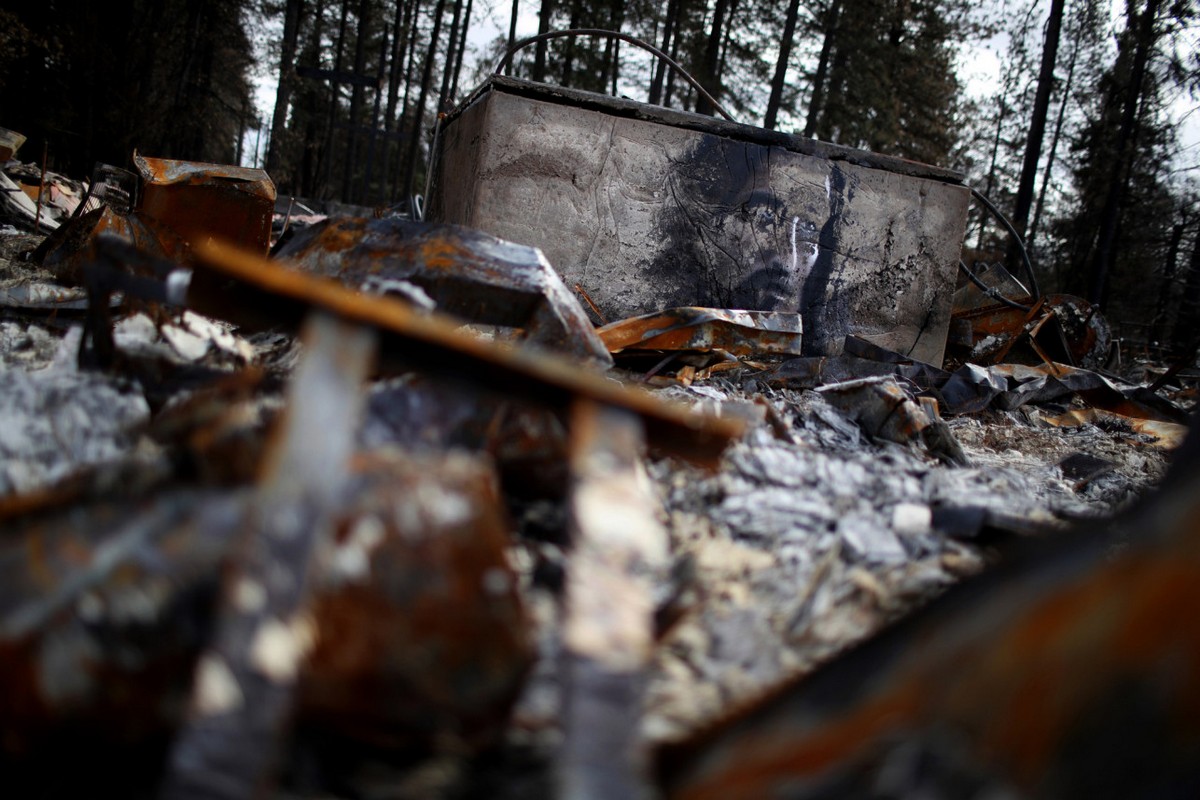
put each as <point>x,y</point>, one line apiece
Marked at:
<point>1122,162</point>
<point>356,101</point>
<point>1068,85</point>
<point>539,53</point>
<point>401,34</point>
<point>816,103</point>
<point>669,26</point>
<point>785,53</point>
<point>1186,334</point>
<point>451,48</point>
<point>711,79</point>
<point>1037,129</point>
<point>569,44</point>
<point>1168,278</point>
<point>512,35</point>
<point>333,97</point>
<point>410,168</point>
<point>462,46</point>
<point>287,76</point>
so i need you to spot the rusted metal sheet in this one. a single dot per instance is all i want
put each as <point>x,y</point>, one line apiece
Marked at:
<point>69,248</point>
<point>1071,671</point>
<point>232,284</point>
<point>199,200</point>
<point>1058,328</point>
<point>648,208</point>
<point>740,333</point>
<point>466,273</point>
<point>244,686</point>
<point>426,635</point>
<point>1161,434</point>
<point>107,607</point>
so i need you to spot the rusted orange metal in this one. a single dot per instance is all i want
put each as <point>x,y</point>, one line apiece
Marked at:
<point>199,200</point>
<point>419,632</point>
<point>1070,672</point>
<point>1168,435</point>
<point>741,333</point>
<point>1058,327</point>
<point>69,247</point>
<point>232,284</point>
<point>466,273</point>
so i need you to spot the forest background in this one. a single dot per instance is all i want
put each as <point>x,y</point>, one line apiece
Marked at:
<point>1085,138</point>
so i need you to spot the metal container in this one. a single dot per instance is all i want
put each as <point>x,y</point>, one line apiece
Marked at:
<point>199,200</point>
<point>646,208</point>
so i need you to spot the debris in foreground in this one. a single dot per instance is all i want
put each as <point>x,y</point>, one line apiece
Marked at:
<point>513,571</point>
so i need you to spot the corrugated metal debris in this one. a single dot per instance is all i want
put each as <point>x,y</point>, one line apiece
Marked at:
<point>383,514</point>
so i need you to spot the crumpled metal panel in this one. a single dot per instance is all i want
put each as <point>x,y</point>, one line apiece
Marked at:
<point>69,248</point>
<point>880,406</point>
<point>199,200</point>
<point>1058,328</point>
<point>466,273</point>
<point>741,333</point>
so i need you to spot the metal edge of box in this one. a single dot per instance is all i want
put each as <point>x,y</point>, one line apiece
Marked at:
<point>624,107</point>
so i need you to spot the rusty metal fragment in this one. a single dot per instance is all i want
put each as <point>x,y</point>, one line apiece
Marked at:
<point>243,689</point>
<point>105,608</point>
<point>408,628</point>
<point>618,549</point>
<point>740,333</point>
<point>1061,328</point>
<point>199,200</point>
<point>880,406</point>
<point>421,635</point>
<point>466,274</point>
<point>70,248</point>
<point>1073,670</point>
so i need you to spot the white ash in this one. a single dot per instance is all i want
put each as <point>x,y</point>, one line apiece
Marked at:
<point>27,346</point>
<point>57,419</point>
<point>804,547</point>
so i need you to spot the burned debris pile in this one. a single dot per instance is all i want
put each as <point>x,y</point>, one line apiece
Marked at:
<point>381,507</point>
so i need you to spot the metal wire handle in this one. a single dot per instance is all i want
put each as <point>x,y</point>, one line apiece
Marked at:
<point>1033,284</point>
<point>624,37</point>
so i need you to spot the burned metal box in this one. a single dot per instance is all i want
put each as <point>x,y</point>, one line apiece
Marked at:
<point>646,208</point>
<point>199,200</point>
